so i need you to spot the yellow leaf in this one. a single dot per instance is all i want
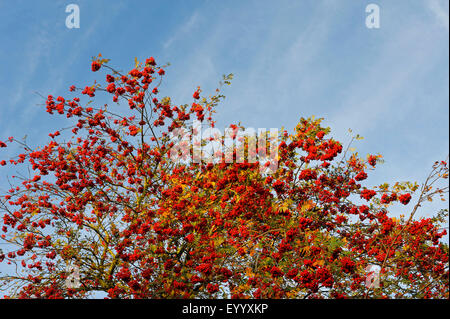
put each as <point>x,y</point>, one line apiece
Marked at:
<point>308,205</point>
<point>218,241</point>
<point>319,263</point>
<point>212,230</point>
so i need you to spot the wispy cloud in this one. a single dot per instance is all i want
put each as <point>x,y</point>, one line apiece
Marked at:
<point>369,99</point>
<point>282,68</point>
<point>38,48</point>
<point>182,30</point>
<point>38,53</point>
<point>440,10</point>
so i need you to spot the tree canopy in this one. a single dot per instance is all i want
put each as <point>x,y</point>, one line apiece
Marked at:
<point>106,208</point>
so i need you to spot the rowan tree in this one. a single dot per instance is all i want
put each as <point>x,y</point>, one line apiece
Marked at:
<point>105,197</point>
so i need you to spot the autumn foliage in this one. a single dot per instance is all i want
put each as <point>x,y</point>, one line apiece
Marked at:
<point>105,196</point>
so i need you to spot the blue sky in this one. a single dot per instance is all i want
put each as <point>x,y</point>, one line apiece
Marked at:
<point>290,59</point>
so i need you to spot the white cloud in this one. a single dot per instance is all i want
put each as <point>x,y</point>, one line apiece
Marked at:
<point>373,96</point>
<point>37,49</point>
<point>440,10</point>
<point>185,28</point>
<point>282,69</point>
